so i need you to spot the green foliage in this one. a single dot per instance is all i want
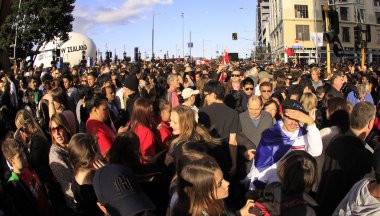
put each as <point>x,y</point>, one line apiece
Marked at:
<point>38,21</point>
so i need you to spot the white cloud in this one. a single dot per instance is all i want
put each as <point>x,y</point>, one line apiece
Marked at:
<point>128,12</point>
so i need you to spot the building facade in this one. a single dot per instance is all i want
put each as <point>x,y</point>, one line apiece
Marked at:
<point>292,23</point>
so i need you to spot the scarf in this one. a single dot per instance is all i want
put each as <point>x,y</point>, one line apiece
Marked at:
<point>273,145</point>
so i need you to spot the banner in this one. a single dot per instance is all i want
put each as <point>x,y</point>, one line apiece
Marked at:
<point>317,38</point>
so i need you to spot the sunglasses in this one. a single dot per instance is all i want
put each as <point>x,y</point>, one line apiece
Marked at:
<point>266,91</point>
<point>235,75</point>
<point>249,89</point>
<point>58,129</point>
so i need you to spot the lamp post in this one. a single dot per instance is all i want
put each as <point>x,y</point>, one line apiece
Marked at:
<point>15,44</point>
<point>183,35</point>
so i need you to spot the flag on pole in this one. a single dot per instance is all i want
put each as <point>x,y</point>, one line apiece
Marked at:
<point>289,51</point>
<point>226,58</point>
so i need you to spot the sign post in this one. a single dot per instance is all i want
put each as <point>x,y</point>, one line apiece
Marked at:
<point>326,9</point>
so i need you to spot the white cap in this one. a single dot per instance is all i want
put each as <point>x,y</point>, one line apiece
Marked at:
<point>187,92</point>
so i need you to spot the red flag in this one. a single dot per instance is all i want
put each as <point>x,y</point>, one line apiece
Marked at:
<point>226,58</point>
<point>289,52</point>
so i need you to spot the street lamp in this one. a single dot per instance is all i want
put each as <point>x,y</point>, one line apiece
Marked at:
<point>14,47</point>
<point>183,35</point>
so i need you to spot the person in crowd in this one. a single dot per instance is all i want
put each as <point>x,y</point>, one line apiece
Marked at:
<point>339,173</point>
<point>166,134</point>
<point>32,136</point>
<point>364,197</point>
<point>131,94</point>
<point>119,192</point>
<point>188,96</point>
<point>84,155</point>
<point>233,85</point>
<point>96,125</point>
<point>109,93</point>
<point>315,73</point>
<point>339,121</point>
<point>43,114</point>
<point>23,190</point>
<point>272,107</point>
<point>264,76</point>
<point>223,123</point>
<point>201,189</point>
<point>265,91</point>
<point>336,83</point>
<point>59,160</point>
<point>253,123</point>
<point>285,136</point>
<point>71,90</point>
<point>247,91</point>
<point>310,102</point>
<point>172,96</point>
<point>81,111</point>
<point>297,173</point>
<point>185,128</point>
<point>359,95</point>
<point>92,79</point>
<point>142,123</point>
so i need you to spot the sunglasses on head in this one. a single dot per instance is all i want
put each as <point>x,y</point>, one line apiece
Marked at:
<point>58,129</point>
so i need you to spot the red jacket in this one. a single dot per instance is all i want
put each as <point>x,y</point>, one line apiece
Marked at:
<point>105,134</point>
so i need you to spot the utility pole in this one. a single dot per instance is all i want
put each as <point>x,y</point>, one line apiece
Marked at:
<point>190,45</point>
<point>183,35</point>
<point>153,39</point>
<point>326,9</point>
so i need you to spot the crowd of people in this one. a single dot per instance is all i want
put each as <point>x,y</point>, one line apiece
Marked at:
<point>177,138</point>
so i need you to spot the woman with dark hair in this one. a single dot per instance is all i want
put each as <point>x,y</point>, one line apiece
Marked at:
<point>149,90</point>
<point>272,107</point>
<point>201,189</point>
<point>143,125</point>
<point>96,125</point>
<point>84,155</point>
<point>297,173</point>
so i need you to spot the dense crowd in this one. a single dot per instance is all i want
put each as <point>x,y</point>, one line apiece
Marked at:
<point>180,138</point>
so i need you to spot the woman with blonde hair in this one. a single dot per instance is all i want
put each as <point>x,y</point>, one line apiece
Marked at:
<point>59,160</point>
<point>31,135</point>
<point>310,102</point>
<point>182,121</point>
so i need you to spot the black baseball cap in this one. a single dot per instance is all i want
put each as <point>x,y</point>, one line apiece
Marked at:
<point>119,191</point>
<point>293,105</point>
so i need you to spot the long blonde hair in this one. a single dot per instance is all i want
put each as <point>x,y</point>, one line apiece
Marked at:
<point>59,119</point>
<point>309,101</point>
<point>189,127</point>
<point>24,119</point>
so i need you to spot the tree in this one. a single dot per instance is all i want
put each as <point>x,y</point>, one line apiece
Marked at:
<point>37,22</point>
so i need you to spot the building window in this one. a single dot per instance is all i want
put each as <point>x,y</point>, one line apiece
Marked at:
<point>346,34</point>
<point>378,36</point>
<point>362,15</point>
<point>344,13</point>
<point>302,32</point>
<point>376,3</point>
<point>377,17</point>
<point>301,11</point>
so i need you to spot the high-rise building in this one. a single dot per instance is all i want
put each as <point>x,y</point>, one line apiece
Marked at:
<point>292,23</point>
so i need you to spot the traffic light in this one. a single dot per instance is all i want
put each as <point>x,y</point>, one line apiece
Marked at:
<point>358,36</point>
<point>368,33</point>
<point>334,21</point>
<point>234,36</point>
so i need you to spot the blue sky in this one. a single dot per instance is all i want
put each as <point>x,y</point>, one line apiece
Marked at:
<point>129,22</point>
